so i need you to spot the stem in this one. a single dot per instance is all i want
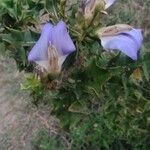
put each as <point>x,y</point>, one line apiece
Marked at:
<point>54,9</point>
<point>62,6</point>
<point>95,15</point>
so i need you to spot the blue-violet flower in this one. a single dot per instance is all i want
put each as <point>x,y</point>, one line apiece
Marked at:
<point>121,37</point>
<point>52,48</point>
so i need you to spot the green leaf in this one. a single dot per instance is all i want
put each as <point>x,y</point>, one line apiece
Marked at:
<point>32,83</point>
<point>78,107</point>
<point>146,65</point>
<point>97,77</point>
<point>2,48</point>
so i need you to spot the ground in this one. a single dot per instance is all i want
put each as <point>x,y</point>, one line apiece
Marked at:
<point>19,120</point>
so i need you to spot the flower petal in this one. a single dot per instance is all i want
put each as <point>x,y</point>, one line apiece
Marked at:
<point>114,30</point>
<point>39,51</point>
<point>136,35</point>
<point>61,39</point>
<point>62,59</point>
<point>128,42</point>
<point>109,3</point>
<point>45,64</point>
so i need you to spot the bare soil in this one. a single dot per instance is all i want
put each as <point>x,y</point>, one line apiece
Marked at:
<point>19,119</point>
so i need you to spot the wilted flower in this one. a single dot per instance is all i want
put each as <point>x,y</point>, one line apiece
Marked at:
<point>121,37</point>
<point>52,48</point>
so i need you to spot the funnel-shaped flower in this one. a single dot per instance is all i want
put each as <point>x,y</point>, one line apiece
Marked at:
<point>121,37</point>
<point>52,48</point>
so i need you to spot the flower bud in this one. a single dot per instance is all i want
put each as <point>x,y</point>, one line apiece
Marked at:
<point>90,7</point>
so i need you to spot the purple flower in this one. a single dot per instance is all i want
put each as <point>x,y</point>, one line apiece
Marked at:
<point>121,37</point>
<point>52,48</point>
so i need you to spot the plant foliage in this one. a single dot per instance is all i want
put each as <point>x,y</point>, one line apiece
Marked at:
<point>102,99</point>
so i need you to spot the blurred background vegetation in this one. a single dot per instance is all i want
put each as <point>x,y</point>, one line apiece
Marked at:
<point>103,100</point>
